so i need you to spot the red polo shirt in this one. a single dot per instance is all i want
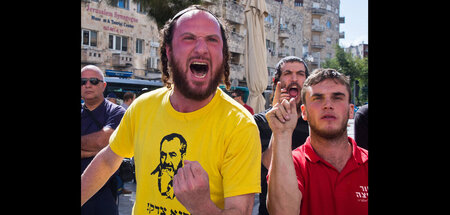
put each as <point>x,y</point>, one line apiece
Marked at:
<point>327,191</point>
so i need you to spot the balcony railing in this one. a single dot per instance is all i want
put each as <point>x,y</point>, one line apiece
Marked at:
<point>318,11</point>
<point>317,28</point>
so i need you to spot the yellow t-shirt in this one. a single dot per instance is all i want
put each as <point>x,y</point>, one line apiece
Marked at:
<point>222,136</point>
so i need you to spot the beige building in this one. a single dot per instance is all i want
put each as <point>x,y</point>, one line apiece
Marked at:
<point>305,28</point>
<point>283,29</point>
<point>122,41</point>
<point>320,29</point>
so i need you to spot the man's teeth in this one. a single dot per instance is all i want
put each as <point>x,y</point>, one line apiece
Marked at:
<point>199,69</point>
<point>199,75</point>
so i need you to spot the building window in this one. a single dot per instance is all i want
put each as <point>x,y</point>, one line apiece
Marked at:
<point>124,44</point>
<point>270,46</point>
<point>139,46</point>
<point>298,3</point>
<point>269,19</point>
<point>153,51</point>
<point>140,9</point>
<point>235,57</point>
<point>118,43</point>
<point>305,50</point>
<point>88,38</point>
<point>328,7</point>
<point>125,4</point>
<point>153,63</point>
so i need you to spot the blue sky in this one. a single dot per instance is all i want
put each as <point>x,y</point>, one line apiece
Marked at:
<point>356,26</point>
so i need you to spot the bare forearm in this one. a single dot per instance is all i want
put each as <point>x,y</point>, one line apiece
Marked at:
<point>283,195</point>
<point>97,140</point>
<point>98,172</point>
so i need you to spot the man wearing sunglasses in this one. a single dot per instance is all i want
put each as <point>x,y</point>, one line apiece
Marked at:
<point>99,118</point>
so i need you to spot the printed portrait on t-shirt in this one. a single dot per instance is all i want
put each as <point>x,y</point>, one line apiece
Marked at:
<point>172,153</point>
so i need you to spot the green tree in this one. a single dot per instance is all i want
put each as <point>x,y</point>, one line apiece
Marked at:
<point>161,10</point>
<point>357,69</point>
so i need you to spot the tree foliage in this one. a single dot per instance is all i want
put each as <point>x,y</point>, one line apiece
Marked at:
<point>356,68</point>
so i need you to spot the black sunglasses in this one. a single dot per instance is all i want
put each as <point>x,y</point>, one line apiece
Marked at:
<point>94,81</point>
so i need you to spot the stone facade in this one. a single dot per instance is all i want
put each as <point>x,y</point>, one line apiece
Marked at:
<point>320,29</point>
<point>304,28</point>
<point>119,39</point>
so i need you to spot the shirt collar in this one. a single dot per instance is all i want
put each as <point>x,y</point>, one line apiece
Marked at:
<point>359,154</point>
<point>100,105</point>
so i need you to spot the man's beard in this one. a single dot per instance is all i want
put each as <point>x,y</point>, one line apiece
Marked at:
<point>165,179</point>
<point>165,183</point>
<point>330,134</point>
<point>180,81</point>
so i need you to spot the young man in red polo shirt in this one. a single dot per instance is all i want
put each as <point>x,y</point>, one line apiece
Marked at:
<point>329,173</point>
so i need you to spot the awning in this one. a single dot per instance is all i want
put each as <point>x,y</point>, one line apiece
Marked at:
<point>116,73</point>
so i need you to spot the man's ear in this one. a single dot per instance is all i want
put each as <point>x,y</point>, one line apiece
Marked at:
<point>351,111</point>
<point>304,115</point>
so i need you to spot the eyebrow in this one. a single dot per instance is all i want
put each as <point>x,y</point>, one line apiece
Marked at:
<point>299,71</point>
<point>317,95</point>
<point>334,94</point>
<point>338,94</point>
<point>207,36</point>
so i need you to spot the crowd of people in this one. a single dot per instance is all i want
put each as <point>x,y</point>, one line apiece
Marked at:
<point>199,150</point>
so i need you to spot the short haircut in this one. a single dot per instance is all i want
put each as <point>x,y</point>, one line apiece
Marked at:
<point>94,68</point>
<point>239,93</point>
<point>319,75</point>
<point>128,95</point>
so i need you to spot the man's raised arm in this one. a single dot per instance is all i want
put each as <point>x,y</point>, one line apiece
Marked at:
<point>283,195</point>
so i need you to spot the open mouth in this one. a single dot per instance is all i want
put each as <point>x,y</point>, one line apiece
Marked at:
<point>199,69</point>
<point>293,90</point>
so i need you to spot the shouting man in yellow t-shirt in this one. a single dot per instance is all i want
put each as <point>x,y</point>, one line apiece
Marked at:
<point>196,150</point>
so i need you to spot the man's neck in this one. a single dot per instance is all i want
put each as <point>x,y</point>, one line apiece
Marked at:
<point>186,105</point>
<point>92,104</point>
<point>336,151</point>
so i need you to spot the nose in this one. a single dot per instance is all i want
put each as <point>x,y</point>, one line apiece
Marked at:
<point>328,104</point>
<point>294,77</point>
<point>201,46</point>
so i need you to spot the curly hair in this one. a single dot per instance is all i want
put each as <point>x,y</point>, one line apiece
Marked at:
<point>167,35</point>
